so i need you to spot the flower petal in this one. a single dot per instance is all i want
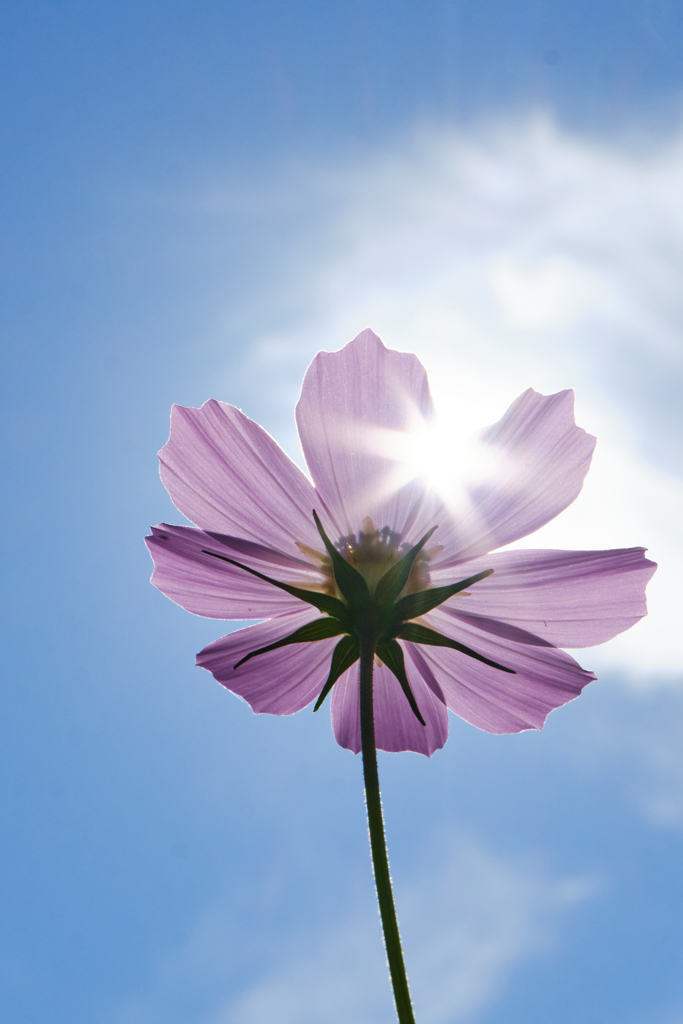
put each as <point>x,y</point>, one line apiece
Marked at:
<point>225,473</point>
<point>350,401</point>
<point>208,586</point>
<point>396,727</point>
<point>567,598</point>
<point>496,701</point>
<point>540,458</point>
<point>277,683</point>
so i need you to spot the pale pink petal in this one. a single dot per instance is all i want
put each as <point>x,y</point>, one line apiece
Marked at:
<point>496,701</point>
<point>567,598</point>
<point>396,727</point>
<point>539,460</point>
<point>277,683</point>
<point>351,404</point>
<point>215,589</point>
<point>226,474</point>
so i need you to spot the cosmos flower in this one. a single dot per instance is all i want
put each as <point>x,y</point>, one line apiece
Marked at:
<point>473,629</point>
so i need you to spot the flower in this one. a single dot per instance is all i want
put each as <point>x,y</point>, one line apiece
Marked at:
<point>270,544</point>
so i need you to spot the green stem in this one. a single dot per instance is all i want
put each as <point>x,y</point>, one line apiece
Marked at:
<point>378,846</point>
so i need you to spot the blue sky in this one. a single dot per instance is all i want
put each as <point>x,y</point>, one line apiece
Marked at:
<point>195,199</point>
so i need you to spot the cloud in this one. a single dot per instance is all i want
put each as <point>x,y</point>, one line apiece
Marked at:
<point>474,921</point>
<point>469,918</point>
<point>636,736</point>
<point>659,790</point>
<point>511,256</point>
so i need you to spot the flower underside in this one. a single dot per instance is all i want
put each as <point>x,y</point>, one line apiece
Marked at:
<point>372,552</point>
<point>376,586</point>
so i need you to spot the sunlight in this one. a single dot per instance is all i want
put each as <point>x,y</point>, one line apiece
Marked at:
<point>446,460</point>
<point>553,292</point>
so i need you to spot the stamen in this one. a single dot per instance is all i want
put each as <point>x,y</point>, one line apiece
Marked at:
<point>372,552</point>
<point>315,556</point>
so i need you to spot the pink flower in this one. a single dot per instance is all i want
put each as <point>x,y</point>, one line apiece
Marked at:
<point>503,669</point>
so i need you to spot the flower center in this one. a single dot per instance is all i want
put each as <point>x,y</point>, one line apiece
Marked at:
<point>372,595</point>
<point>372,552</point>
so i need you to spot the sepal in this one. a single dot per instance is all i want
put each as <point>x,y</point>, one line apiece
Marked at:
<point>417,634</point>
<point>351,584</point>
<point>323,602</point>
<point>320,629</point>
<point>345,654</point>
<point>395,579</point>
<point>413,605</point>
<point>391,654</point>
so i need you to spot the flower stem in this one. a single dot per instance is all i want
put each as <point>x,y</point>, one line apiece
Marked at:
<point>378,846</point>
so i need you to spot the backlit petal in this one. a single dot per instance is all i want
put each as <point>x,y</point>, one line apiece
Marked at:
<point>496,701</point>
<point>567,598</point>
<point>211,587</point>
<point>396,727</point>
<point>280,682</point>
<point>349,401</point>
<point>539,459</point>
<point>226,474</point>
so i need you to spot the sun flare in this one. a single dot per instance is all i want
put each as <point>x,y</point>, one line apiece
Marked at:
<point>426,451</point>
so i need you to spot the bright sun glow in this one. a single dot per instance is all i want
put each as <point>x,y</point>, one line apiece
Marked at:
<point>446,460</point>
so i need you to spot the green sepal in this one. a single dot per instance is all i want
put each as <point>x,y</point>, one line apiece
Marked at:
<point>351,584</point>
<point>417,634</point>
<point>413,605</point>
<point>320,629</point>
<point>323,602</point>
<point>345,654</point>
<point>395,579</point>
<point>391,653</point>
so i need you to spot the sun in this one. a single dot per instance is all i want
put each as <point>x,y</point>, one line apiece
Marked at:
<point>435,452</point>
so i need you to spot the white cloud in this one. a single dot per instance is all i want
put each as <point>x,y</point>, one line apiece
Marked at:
<point>639,740</point>
<point>473,920</point>
<point>468,919</point>
<point>511,257</point>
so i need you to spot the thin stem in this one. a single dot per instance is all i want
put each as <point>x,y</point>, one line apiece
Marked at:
<point>378,846</point>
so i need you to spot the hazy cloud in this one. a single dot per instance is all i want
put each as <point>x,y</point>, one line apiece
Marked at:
<point>637,737</point>
<point>512,256</point>
<point>468,918</point>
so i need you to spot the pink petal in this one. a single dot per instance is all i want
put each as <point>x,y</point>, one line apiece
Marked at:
<point>567,598</point>
<point>347,400</point>
<point>208,586</point>
<point>277,683</point>
<point>496,701</point>
<point>541,459</point>
<point>396,727</point>
<point>226,474</point>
